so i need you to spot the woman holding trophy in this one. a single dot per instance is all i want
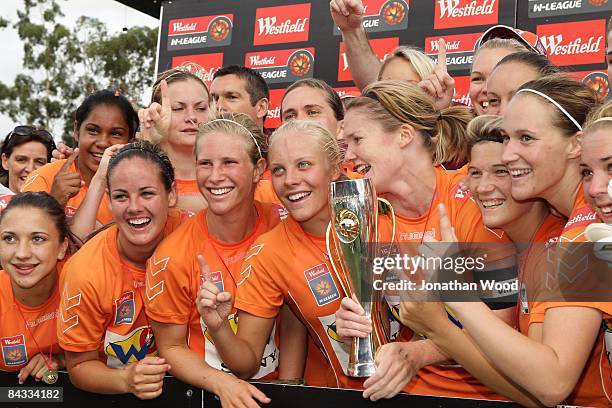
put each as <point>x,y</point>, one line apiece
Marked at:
<point>391,132</point>
<point>289,264</point>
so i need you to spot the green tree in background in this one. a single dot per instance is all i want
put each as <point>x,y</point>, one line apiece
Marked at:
<point>62,65</point>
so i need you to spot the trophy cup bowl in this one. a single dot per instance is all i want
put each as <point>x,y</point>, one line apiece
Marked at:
<point>354,212</point>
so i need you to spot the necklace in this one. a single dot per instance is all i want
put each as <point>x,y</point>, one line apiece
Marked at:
<point>50,376</point>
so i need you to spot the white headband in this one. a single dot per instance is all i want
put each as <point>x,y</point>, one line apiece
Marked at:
<point>551,100</point>
<point>242,126</point>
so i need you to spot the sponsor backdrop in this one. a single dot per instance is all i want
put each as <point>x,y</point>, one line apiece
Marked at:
<point>286,40</point>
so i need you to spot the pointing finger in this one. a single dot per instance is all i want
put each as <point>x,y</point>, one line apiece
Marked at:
<point>442,54</point>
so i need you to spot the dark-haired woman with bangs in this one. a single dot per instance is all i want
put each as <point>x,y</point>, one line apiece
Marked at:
<point>24,150</point>
<point>102,120</point>
<point>107,328</point>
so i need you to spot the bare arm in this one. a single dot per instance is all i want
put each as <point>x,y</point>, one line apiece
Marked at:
<point>143,379</point>
<point>430,319</point>
<point>84,221</point>
<point>362,61</point>
<point>293,346</point>
<point>547,367</point>
<point>189,367</point>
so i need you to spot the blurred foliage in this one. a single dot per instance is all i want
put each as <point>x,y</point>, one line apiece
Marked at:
<point>62,65</point>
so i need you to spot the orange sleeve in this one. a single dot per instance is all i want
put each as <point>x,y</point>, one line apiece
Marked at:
<point>42,178</point>
<point>259,293</point>
<point>604,307</point>
<point>169,287</point>
<point>83,319</point>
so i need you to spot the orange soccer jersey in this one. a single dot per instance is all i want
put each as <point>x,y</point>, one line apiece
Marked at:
<point>42,180</point>
<point>594,387</point>
<point>173,279</point>
<point>287,265</point>
<point>466,219</point>
<point>102,302</point>
<point>16,341</point>
<point>264,193</point>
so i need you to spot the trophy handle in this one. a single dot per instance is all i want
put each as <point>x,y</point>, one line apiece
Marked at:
<point>392,219</point>
<point>345,287</point>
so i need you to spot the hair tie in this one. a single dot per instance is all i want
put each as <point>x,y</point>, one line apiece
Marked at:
<point>242,126</point>
<point>551,100</point>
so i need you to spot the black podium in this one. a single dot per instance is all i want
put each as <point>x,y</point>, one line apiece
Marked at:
<point>179,395</point>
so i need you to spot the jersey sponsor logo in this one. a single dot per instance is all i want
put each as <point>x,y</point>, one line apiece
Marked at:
<point>567,43</point>
<point>282,24</point>
<point>14,350</point>
<point>460,194</point>
<point>459,50</point>
<point>69,317</point>
<point>217,279</point>
<point>381,47</point>
<point>130,347</point>
<point>282,65</point>
<point>549,8</point>
<point>464,13</point>
<point>203,66</point>
<point>125,309</point>
<point>155,278</point>
<point>200,32</point>
<point>321,284</point>
<point>383,15</point>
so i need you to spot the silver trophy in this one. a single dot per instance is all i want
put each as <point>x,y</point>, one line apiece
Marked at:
<point>354,211</point>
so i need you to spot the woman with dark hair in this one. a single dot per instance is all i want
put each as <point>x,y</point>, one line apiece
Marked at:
<point>24,150</point>
<point>102,120</point>
<point>29,296</point>
<point>510,73</point>
<point>107,274</point>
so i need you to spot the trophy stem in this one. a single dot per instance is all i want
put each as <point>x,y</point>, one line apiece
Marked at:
<point>361,359</point>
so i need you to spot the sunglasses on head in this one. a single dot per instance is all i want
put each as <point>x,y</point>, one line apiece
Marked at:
<point>26,130</point>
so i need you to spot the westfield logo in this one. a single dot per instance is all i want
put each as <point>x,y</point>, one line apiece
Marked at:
<point>554,45</point>
<point>268,26</point>
<point>181,27</point>
<point>451,8</point>
<point>256,60</point>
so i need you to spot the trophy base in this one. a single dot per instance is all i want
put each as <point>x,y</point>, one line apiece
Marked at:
<point>361,369</point>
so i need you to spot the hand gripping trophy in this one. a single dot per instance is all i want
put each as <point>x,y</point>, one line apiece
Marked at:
<point>354,215</point>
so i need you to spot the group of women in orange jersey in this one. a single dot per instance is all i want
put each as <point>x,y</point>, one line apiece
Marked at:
<point>182,240</point>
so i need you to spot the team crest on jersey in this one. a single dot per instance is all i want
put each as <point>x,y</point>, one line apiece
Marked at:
<point>129,348</point>
<point>322,284</point>
<point>217,279</point>
<point>125,309</point>
<point>14,350</point>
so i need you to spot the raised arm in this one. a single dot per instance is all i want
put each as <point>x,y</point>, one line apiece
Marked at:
<point>362,61</point>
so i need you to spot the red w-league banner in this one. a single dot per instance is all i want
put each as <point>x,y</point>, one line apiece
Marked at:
<point>459,50</point>
<point>200,32</point>
<point>282,65</point>
<point>203,66</point>
<point>273,120</point>
<point>383,15</point>
<point>381,46</point>
<point>574,43</point>
<point>282,24</point>
<point>465,13</point>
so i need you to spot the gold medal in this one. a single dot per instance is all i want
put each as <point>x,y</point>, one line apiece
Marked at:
<point>50,377</point>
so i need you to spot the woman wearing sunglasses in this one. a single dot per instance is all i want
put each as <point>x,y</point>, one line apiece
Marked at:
<point>24,150</point>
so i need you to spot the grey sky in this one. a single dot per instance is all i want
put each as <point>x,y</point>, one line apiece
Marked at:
<point>113,14</point>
